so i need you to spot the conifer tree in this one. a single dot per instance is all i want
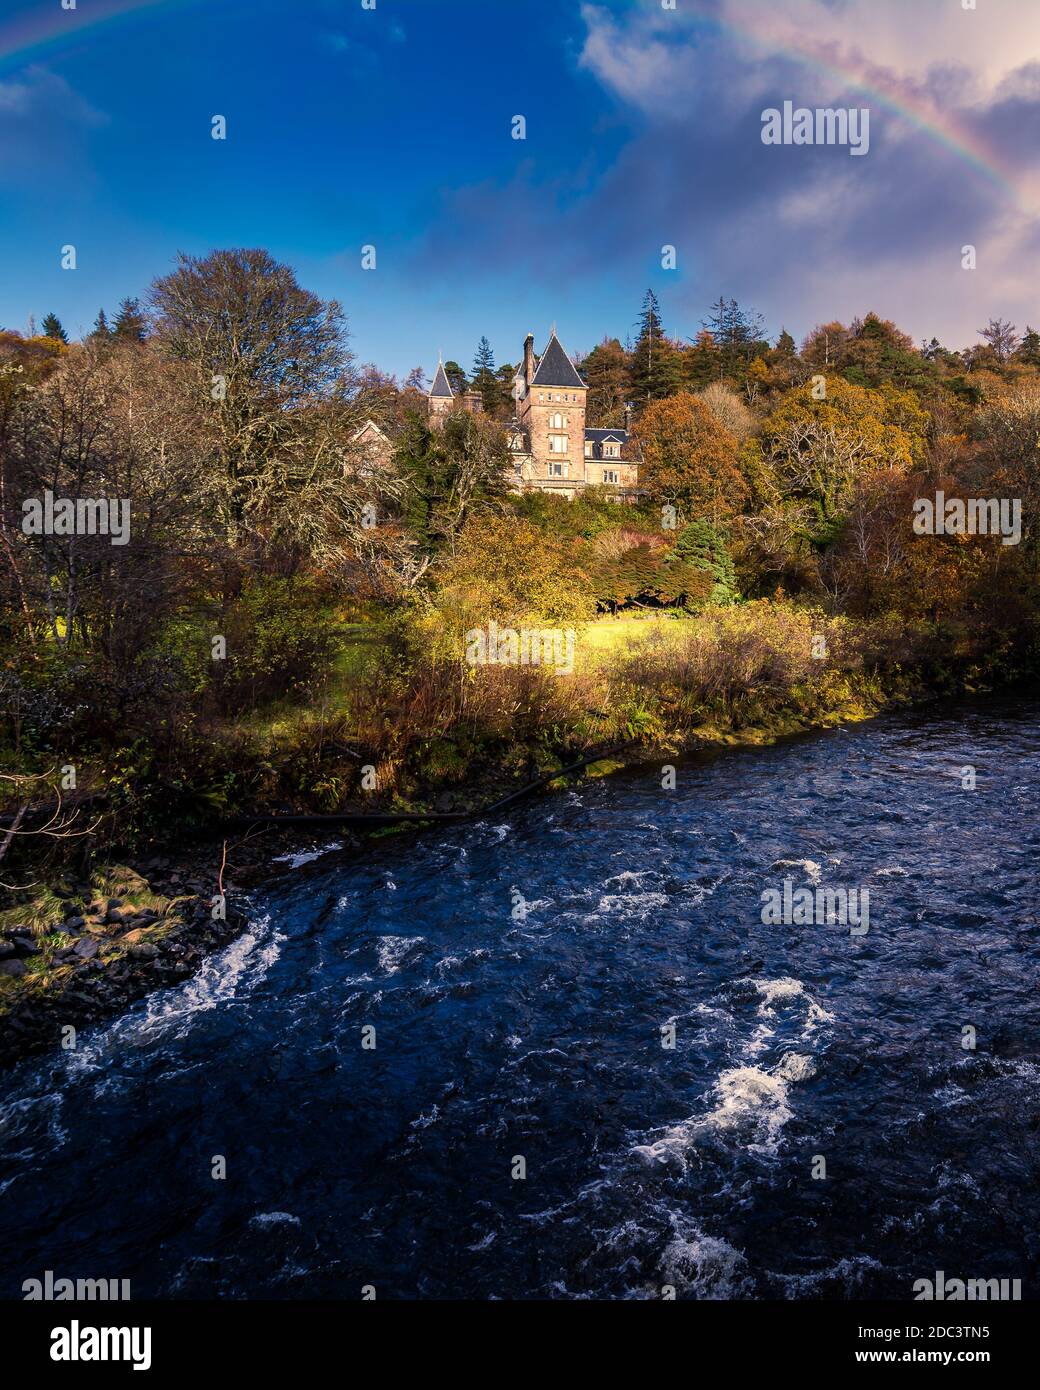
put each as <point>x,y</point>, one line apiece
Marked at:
<point>1029,348</point>
<point>456,378</point>
<point>655,367</point>
<point>130,321</point>
<point>700,546</point>
<point>51,328</point>
<point>484,378</point>
<point>102,329</point>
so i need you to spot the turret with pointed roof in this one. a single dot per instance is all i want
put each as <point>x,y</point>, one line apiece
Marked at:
<point>555,367</point>
<point>441,397</point>
<point>441,385</point>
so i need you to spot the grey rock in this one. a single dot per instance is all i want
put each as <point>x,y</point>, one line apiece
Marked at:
<point>86,948</point>
<point>144,950</point>
<point>12,967</point>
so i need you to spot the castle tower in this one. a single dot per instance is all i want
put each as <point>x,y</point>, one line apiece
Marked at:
<point>441,398</point>
<point>551,409</point>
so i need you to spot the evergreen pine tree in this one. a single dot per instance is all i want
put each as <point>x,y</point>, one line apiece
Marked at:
<point>456,378</point>
<point>700,546</point>
<point>51,328</point>
<point>101,329</point>
<point>1029,348</point>
<point>654,365</point>
<point>484,379</point>
<point>130,321</point>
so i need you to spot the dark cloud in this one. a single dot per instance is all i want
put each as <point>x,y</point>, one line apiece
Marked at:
<point>805,231</point>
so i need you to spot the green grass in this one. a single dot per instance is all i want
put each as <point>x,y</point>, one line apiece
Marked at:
<point>359,646</point>
<point>607,637</point>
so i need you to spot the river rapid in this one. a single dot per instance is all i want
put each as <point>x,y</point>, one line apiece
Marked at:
<point>524,979</point>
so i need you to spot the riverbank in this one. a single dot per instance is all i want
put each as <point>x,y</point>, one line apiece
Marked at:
<point>82,952</point>
<point>87,944</point>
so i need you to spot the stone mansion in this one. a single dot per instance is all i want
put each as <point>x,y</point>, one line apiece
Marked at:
<point>551,447</point>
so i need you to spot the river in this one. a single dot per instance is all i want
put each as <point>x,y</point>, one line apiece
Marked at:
<point>523,978</point>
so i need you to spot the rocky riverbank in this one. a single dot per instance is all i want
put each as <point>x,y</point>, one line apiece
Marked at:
<point>83,951</point>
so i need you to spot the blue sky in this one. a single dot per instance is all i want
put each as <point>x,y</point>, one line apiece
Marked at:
<point>392,127</point>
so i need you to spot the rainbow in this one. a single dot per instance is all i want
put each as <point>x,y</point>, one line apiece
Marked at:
<point>34,35</point>
<point>942,128</point>
<point>39,32</point>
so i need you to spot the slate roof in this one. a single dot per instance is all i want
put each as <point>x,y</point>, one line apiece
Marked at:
<point>630,451</point>
<point>555,368</point>
<point>441,386</point>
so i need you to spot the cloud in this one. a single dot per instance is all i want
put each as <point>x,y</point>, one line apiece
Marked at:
<point>43,122</point>
<point>805,233</point>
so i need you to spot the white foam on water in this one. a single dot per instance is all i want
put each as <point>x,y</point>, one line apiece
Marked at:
<point>629,876</point>
<point>453,962</point>
<point>813,871</point>
<point>230,973</point>
<point>498,831</point>
<point>751,1104</point>
<point>849,1272</point>
<point>306,856</point>
<point>787,990</point>
<point>264,1219</point>
<point>632,903</point>
<point>704,1266</point>
<point>392,950</point>
<point>16,1117</point>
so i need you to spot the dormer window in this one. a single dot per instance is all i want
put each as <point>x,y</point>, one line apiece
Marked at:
<point>588,448</point>
<point>611,451</point>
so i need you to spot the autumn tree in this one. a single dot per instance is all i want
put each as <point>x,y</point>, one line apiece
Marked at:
<point>1008,432</point>
<point>817,448</point>
<point>690,459</point>
<point>1002,338</point>
<point>272,374</point>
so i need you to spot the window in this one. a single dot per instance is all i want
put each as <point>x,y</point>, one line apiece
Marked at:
<point>557,444</point>
<point>588,448</point>
<point>610,475</point>
<point>556,470</point>
<point>556,422</point>
<point>611,451</point>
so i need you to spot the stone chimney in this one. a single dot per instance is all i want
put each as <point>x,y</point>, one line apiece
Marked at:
<point>529,360</point>
<point>628,417</point>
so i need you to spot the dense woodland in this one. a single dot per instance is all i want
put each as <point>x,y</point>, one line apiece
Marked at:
<point>287,612</point>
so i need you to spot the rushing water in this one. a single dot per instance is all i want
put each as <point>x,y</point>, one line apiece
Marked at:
<point>540,1035</point>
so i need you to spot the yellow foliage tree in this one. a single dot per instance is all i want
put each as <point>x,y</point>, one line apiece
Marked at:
<point>690,459</point>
